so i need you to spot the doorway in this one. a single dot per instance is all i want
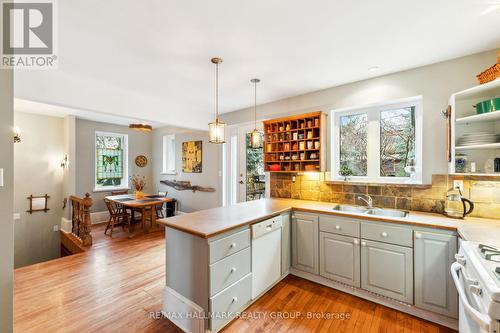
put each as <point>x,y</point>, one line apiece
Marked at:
<point>245,176</point>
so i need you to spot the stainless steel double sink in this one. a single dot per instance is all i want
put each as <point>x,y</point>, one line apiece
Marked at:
<point>371,211</point>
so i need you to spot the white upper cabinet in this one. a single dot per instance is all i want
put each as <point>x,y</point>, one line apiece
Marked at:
<point>470,150</point>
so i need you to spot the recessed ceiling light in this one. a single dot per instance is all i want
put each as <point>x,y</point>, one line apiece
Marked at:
<point>373,69</point>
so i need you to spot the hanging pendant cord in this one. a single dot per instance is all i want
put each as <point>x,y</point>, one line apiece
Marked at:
<point>217,92</point>
<point>255,107</point>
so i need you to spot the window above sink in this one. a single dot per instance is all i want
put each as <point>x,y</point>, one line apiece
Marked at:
<point>375,143</point>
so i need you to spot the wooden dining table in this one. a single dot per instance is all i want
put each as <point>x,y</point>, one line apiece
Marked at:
<point>148,201</point>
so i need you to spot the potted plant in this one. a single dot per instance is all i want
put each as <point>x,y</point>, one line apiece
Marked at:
<point>345,171</point>
<point>138,183</point>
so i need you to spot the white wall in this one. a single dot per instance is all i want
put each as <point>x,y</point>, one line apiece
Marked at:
<point>435,82</point>
<point>37,171</point>
<point>189,201</point>
<point>69,181</point>
<point>139,143</point>
<point>6,199</point>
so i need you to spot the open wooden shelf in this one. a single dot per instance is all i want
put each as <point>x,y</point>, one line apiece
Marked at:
<point>299,138</point>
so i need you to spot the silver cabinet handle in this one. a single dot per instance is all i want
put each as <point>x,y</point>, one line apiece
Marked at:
<point>384,234</point>
<point>355,241</point>
<point>363,243</point>
<point>337,227</point>
<point>235,299</point>
<point>418,235</point>
<point>233,269</point>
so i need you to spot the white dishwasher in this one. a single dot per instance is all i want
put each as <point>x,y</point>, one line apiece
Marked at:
<point>266,254</point>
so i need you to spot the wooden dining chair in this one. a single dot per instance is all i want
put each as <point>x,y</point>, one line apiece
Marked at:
<point>116,217</point>
<point>159,208</point>
<point>119,207</point>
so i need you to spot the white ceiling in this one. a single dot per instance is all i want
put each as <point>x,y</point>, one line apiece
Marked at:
<point>22,105</point>
<point>151,59</point>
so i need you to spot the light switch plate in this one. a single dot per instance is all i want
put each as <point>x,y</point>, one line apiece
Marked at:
<point>55,227</point>
<point>17,216</point>
<point>459,184</point>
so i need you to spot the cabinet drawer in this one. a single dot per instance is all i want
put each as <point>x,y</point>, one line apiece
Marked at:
<point>229,270</point>
<point>230,301</point>
<point>231,244</point>
<point>386,233</point>
<point>339,225</point>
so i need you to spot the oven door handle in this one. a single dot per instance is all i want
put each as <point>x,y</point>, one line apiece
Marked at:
<point>481,319</point>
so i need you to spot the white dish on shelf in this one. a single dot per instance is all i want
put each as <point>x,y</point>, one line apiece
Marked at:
<point>478,138</point>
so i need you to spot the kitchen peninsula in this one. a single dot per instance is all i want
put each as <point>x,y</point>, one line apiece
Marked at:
<point>381,258</point>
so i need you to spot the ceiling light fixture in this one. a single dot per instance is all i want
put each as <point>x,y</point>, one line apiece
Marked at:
<point>216,129</point>
<point>256,135</point>
<point>373,69</point>
<point>141,127</point>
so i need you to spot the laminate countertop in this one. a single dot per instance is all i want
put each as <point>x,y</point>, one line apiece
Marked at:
<point>211,222</point>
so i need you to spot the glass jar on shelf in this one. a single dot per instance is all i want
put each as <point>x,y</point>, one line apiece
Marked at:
<point>461,162</point>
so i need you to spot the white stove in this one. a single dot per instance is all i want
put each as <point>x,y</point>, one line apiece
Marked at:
<point>476,274</point>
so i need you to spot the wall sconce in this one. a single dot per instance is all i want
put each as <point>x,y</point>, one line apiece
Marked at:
<point>64,162</point>
<point>17,135</point>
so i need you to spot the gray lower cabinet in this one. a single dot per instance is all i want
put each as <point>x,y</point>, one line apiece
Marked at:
<point>340,258</point>
<point>286,248</point>
<point>434,288</point>
<point>225,305</point>
<point>305,236</point>
<point>387,270</point>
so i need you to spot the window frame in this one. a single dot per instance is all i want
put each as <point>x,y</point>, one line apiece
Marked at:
<point>373,140</point>
<point>169,156</point>
<point>124,184</point>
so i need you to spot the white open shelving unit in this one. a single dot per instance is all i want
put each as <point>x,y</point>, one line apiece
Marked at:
<point>464,119</point>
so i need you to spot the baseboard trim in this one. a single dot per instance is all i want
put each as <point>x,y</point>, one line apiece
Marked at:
<point>66,225</point>
<point>99,217</point>
<point>390,303</point>
<point>184,313</point>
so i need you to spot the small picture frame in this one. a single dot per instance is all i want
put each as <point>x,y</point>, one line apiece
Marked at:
<point>38,203</point>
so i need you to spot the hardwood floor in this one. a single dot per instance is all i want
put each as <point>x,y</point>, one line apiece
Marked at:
<point>117,287</point>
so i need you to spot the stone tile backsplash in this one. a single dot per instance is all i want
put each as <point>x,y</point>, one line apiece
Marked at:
<point>484,192</point>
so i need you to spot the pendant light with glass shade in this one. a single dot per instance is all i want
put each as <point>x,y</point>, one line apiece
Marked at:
<point>216,129</point>
<point>256,135</point>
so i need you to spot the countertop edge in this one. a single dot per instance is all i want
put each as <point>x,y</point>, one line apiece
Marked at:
<point>221,231</point>
<point>407,220</point>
